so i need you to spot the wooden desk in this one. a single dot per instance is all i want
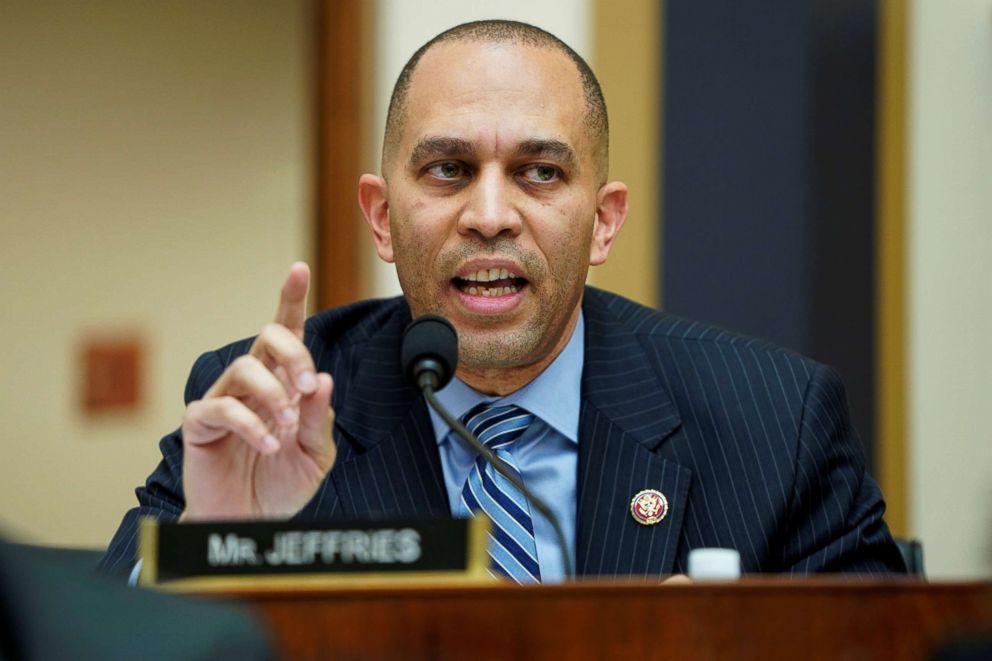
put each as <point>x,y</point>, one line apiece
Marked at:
<point>758,618</point>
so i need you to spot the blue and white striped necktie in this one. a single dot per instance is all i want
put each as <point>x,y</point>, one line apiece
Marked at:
<point>511,548</point>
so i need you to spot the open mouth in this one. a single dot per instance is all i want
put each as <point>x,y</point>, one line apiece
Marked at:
<point>489,282</point>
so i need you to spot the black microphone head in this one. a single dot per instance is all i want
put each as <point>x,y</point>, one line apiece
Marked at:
<point>430,344</point>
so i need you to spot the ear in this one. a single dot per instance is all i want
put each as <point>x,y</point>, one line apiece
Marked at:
<point>611,212</point>
<point>374,200</point>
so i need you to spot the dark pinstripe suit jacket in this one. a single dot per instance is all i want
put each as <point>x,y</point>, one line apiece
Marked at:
<point>751,444</point>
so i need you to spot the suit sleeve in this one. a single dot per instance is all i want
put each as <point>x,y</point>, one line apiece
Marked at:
<point>835,519</point>
<point>161,497</point>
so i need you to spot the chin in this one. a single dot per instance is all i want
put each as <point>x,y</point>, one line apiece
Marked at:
<point>499,349</point>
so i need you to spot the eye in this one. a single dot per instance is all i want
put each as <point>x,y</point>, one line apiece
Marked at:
<point>446,170</point>
<point>542,174</point>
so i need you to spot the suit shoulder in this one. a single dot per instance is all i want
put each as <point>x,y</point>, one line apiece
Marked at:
<point>676,333</point>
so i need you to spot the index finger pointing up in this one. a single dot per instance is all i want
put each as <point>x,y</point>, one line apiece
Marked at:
<point>292,310</point>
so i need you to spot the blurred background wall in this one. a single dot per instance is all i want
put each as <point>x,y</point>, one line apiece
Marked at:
<point>156,178</point>
<point>154,182</point>
<point>949,282</point>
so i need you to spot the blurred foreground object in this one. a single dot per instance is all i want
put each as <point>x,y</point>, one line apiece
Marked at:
<point>54,606</point>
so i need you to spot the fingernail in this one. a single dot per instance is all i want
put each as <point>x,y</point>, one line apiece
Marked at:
<point>288,416</point>
<point>270,444</point>
<point>306,382</point>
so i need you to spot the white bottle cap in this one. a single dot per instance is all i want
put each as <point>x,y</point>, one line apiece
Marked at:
<point>714,565</point>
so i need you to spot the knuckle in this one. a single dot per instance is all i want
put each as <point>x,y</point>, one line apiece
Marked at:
<point>242,364</point>
<point>301,358</point>
<point>229,406</point>
<point>270,329</point>
<point>193,411</point>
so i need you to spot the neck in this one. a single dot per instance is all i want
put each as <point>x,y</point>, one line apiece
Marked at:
<point>502,381</point>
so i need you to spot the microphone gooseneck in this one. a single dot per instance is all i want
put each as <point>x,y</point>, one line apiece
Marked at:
<point>429,356</point>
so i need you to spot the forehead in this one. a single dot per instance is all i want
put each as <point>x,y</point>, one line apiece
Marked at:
<point>495,93</point>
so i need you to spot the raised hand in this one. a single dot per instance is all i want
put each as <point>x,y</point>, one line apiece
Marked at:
<point>259,443</point>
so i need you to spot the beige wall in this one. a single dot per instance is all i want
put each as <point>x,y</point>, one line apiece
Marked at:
<point>154,173</point>
<point>949,223</point>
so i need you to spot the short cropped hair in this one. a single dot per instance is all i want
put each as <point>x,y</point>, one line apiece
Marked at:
<point>502,31</point>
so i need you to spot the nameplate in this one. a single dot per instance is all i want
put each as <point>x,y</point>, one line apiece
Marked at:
<point>291,555</point>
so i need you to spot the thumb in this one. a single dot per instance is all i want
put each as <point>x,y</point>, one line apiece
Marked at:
<point>316,422</point>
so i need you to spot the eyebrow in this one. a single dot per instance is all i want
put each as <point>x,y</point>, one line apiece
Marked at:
<point>555,150</point>
<point>432,147</point>
<point>438,147</point>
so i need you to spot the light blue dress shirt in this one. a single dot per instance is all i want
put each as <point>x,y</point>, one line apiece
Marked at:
<point>547,454</point>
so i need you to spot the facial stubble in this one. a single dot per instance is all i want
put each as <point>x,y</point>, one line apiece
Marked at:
<point>524,344</point>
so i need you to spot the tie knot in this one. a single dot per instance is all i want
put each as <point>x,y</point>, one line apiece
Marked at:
<point>497,426</point>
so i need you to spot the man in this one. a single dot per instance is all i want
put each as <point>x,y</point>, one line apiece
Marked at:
<point>648,435</point>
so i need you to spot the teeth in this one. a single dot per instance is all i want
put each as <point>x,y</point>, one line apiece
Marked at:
<point>488,275</point>
<point>490,292</point>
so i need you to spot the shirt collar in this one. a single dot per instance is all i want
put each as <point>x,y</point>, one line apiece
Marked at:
<point>553,396</point>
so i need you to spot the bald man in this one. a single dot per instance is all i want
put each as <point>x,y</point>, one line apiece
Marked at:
<point>647,434</point>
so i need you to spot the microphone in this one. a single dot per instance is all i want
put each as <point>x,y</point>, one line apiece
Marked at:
<point>430,352</point>
<point>429,357</point>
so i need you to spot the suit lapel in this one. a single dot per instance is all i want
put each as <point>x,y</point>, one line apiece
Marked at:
<point>388,463</point>
<point>626,415</point>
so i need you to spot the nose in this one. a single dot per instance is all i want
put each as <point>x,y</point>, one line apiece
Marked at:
<point>490,209</point>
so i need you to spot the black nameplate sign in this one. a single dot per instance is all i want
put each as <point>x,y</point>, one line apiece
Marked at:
<point>227,555</point>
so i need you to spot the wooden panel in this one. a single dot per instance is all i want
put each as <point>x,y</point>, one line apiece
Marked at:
<point>627,61</point>
<point>890,383</point>
<point>753,619</point>
<point>340,55</point>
